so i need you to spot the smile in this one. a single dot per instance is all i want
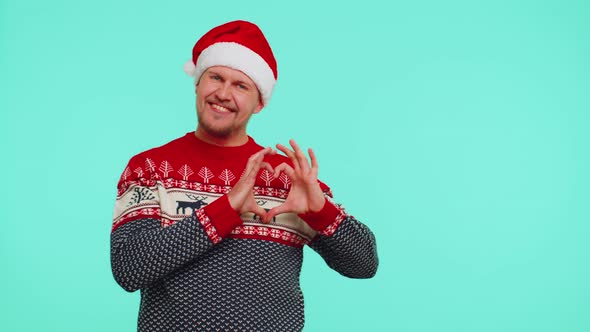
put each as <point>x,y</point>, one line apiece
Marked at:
<point>220,108</point>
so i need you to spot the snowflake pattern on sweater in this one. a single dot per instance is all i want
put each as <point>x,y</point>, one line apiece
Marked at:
<point>202,267</point>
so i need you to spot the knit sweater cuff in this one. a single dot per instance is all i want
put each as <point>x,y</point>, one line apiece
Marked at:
<point>218,218</point>
<point>325,221</point>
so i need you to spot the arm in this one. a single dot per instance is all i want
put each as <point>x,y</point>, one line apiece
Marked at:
<point>142,251</point>
<point>346,245</point>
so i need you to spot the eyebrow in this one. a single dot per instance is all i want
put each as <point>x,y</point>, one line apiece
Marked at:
<point>236,81</point>
<point>214,73</point>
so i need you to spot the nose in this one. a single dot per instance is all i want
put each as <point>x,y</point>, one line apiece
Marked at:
<point>223,92</point>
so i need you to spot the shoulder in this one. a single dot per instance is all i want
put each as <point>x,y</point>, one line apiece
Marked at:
<point>167,150</point>
<point>145,163</point>
<point>171,147</point>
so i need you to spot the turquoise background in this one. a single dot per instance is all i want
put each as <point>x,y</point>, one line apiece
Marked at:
<point>457,130</point>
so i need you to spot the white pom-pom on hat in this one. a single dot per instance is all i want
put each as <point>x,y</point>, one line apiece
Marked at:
<point>189,68</point>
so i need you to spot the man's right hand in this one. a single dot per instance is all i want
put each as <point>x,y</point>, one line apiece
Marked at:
<point>241,197</point>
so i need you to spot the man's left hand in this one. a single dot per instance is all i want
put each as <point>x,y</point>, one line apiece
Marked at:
<point>305,195</point>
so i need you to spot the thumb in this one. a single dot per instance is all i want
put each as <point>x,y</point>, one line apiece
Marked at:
<point>256,209</point>
<point>283,208</point>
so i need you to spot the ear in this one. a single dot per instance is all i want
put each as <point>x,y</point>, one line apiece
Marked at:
<point>197,81</point>
<point>259,107</point>
<point>260,104</point>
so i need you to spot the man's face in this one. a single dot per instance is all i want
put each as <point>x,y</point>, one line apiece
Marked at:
<point>226,99</point>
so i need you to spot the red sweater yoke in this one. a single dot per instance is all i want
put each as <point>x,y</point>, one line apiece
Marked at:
<point>175,180</point>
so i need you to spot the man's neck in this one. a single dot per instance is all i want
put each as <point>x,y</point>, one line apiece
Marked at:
<point>221,141</point>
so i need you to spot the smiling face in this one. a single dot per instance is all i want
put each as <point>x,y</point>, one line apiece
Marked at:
<point>226,99</point>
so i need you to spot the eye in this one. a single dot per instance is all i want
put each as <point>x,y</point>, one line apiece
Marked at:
<point>216,77</point>
<point>242,87</point>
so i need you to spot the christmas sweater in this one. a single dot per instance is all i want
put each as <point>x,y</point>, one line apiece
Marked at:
<point>200,265</point>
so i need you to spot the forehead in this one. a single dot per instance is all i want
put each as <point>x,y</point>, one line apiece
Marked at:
<point>229,73</point>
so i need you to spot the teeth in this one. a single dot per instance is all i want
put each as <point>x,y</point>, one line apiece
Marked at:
<point>220,108</point>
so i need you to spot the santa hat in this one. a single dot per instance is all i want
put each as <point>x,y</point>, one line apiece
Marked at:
<point>239,45</point>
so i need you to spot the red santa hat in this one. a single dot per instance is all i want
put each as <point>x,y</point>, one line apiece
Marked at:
<point>239,45</point>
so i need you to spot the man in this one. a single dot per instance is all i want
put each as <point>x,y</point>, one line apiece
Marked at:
<point>210,226</point>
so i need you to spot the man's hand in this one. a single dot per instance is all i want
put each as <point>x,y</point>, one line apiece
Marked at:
<point>305,195</point>
<point>241,197</point>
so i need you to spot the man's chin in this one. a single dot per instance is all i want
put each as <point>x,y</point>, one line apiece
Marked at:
<point>216,132</point>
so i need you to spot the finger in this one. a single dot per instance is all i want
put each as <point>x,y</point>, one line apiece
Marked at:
<point>303,162</point>
<point>267,151</point>
<point>259,211</point>
<point>285,150</point>
<point>256,158</point>
<point>284,167</point>
<point>314,160</point>
<point>253,166</point>
<point>248,165</point>
<point>264,152</point>
<point>290,154</point>
<point>267,166</point>
<point>283,208</point>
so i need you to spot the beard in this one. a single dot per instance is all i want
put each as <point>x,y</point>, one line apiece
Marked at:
<point>222,132</point>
